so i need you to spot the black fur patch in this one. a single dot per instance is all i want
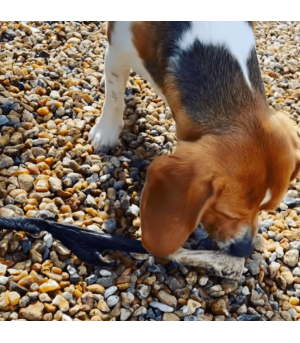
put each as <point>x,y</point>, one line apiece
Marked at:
<point>208,78</point>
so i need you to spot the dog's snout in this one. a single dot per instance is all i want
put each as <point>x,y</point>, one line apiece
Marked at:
<point>243,246</point>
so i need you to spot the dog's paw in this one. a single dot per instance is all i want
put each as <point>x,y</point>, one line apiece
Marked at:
<point>105,136</point>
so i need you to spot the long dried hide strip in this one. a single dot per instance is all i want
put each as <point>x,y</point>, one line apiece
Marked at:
<point>88,246</point>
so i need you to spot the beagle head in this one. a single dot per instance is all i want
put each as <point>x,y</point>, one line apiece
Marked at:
<point>223,181</point>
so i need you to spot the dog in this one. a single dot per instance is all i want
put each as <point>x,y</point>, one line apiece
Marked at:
<point>234,156</point>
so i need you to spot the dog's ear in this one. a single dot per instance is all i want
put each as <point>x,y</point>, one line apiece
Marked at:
<point>291,134</point>
<point>297,168</point>
<point>173,201</point>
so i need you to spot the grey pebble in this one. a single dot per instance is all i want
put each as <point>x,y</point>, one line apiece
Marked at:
<point>112,300</point>
<point>161,307</point>
<point>109,291</point>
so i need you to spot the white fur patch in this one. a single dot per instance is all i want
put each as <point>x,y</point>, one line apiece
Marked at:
<point>236,36</point>
<point>267,197</point>
<point>216,262</point>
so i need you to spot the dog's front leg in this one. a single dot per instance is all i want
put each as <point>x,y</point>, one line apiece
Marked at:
<point>105,134</point>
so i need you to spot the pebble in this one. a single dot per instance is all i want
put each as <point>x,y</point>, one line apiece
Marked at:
<point>3,280</point>
<point>291,257</point>
<point>112,300</point>
<point>3,269</point>
<point>98,289</point>
<point>161,307</point>
<point>167,299</point>
<point>49,286</point>
<point>253,266</point>
<point>170,317</point>
<point>110,291</point>
<point>109,225</point>
<point>32,312</point>
<point>125,314</point>
<point>143,291</point>
<point>248,318</point>
<point>91,279</point>
<point>49,101</point>
<point>61,302</point>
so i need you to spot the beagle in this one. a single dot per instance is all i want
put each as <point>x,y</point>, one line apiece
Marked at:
<point>234,156</point>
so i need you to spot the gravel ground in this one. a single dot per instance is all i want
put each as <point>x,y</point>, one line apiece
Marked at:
<point>50,97</point>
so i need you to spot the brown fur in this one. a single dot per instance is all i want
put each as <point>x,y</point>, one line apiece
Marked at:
<point>221,169</point>
<point>220,180</point>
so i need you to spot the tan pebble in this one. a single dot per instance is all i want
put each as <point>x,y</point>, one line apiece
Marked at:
<point>65,276</point>
<point>54,276</point>
<point>219,307</point>
<point>41,186</point>
<point>123,286</point>
<point>61,302</point>
<point>13,298</point>
<point>43,166</point>
<point>74,310</point>
<point>14,193</point>
<point>35,256</point>
<point>170,317</point>
<point>30,208</point>
<point>32,312</point>
<point>58,315</point>
<point>32,202</point>
<point>38,278</point>
<point>123,279</point>
<point>37,267</point>
<point>95,288</point>
<point>285,305</point>
<point>47,317</point>
<point>20,276</point>
<point>41,91</point>
<point>33,168</point>
<point>26,281</point>
<point>64,194</point>
<point>39,159</point>
<point>96,319</point>
<point>31,213</point>
<point>49,286</point>
<point>102,306</point>
<point>285,246</point>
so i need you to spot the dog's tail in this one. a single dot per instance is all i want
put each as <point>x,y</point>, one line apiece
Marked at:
<point>85,244</point>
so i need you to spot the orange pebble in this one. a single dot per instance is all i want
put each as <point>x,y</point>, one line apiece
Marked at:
<point>77,294</point>
<point>33,168</point>
<point>43,166</point>
<point>63,194</point>
<point>65,209</point>
<point>40,159</point>
<point>64,284</point>
<point>56,270</point>
<point>50,161</point>
<point>32,202</point>
<point>43,111</point>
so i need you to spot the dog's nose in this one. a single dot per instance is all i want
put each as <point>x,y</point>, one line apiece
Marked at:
<point>243,246</point>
